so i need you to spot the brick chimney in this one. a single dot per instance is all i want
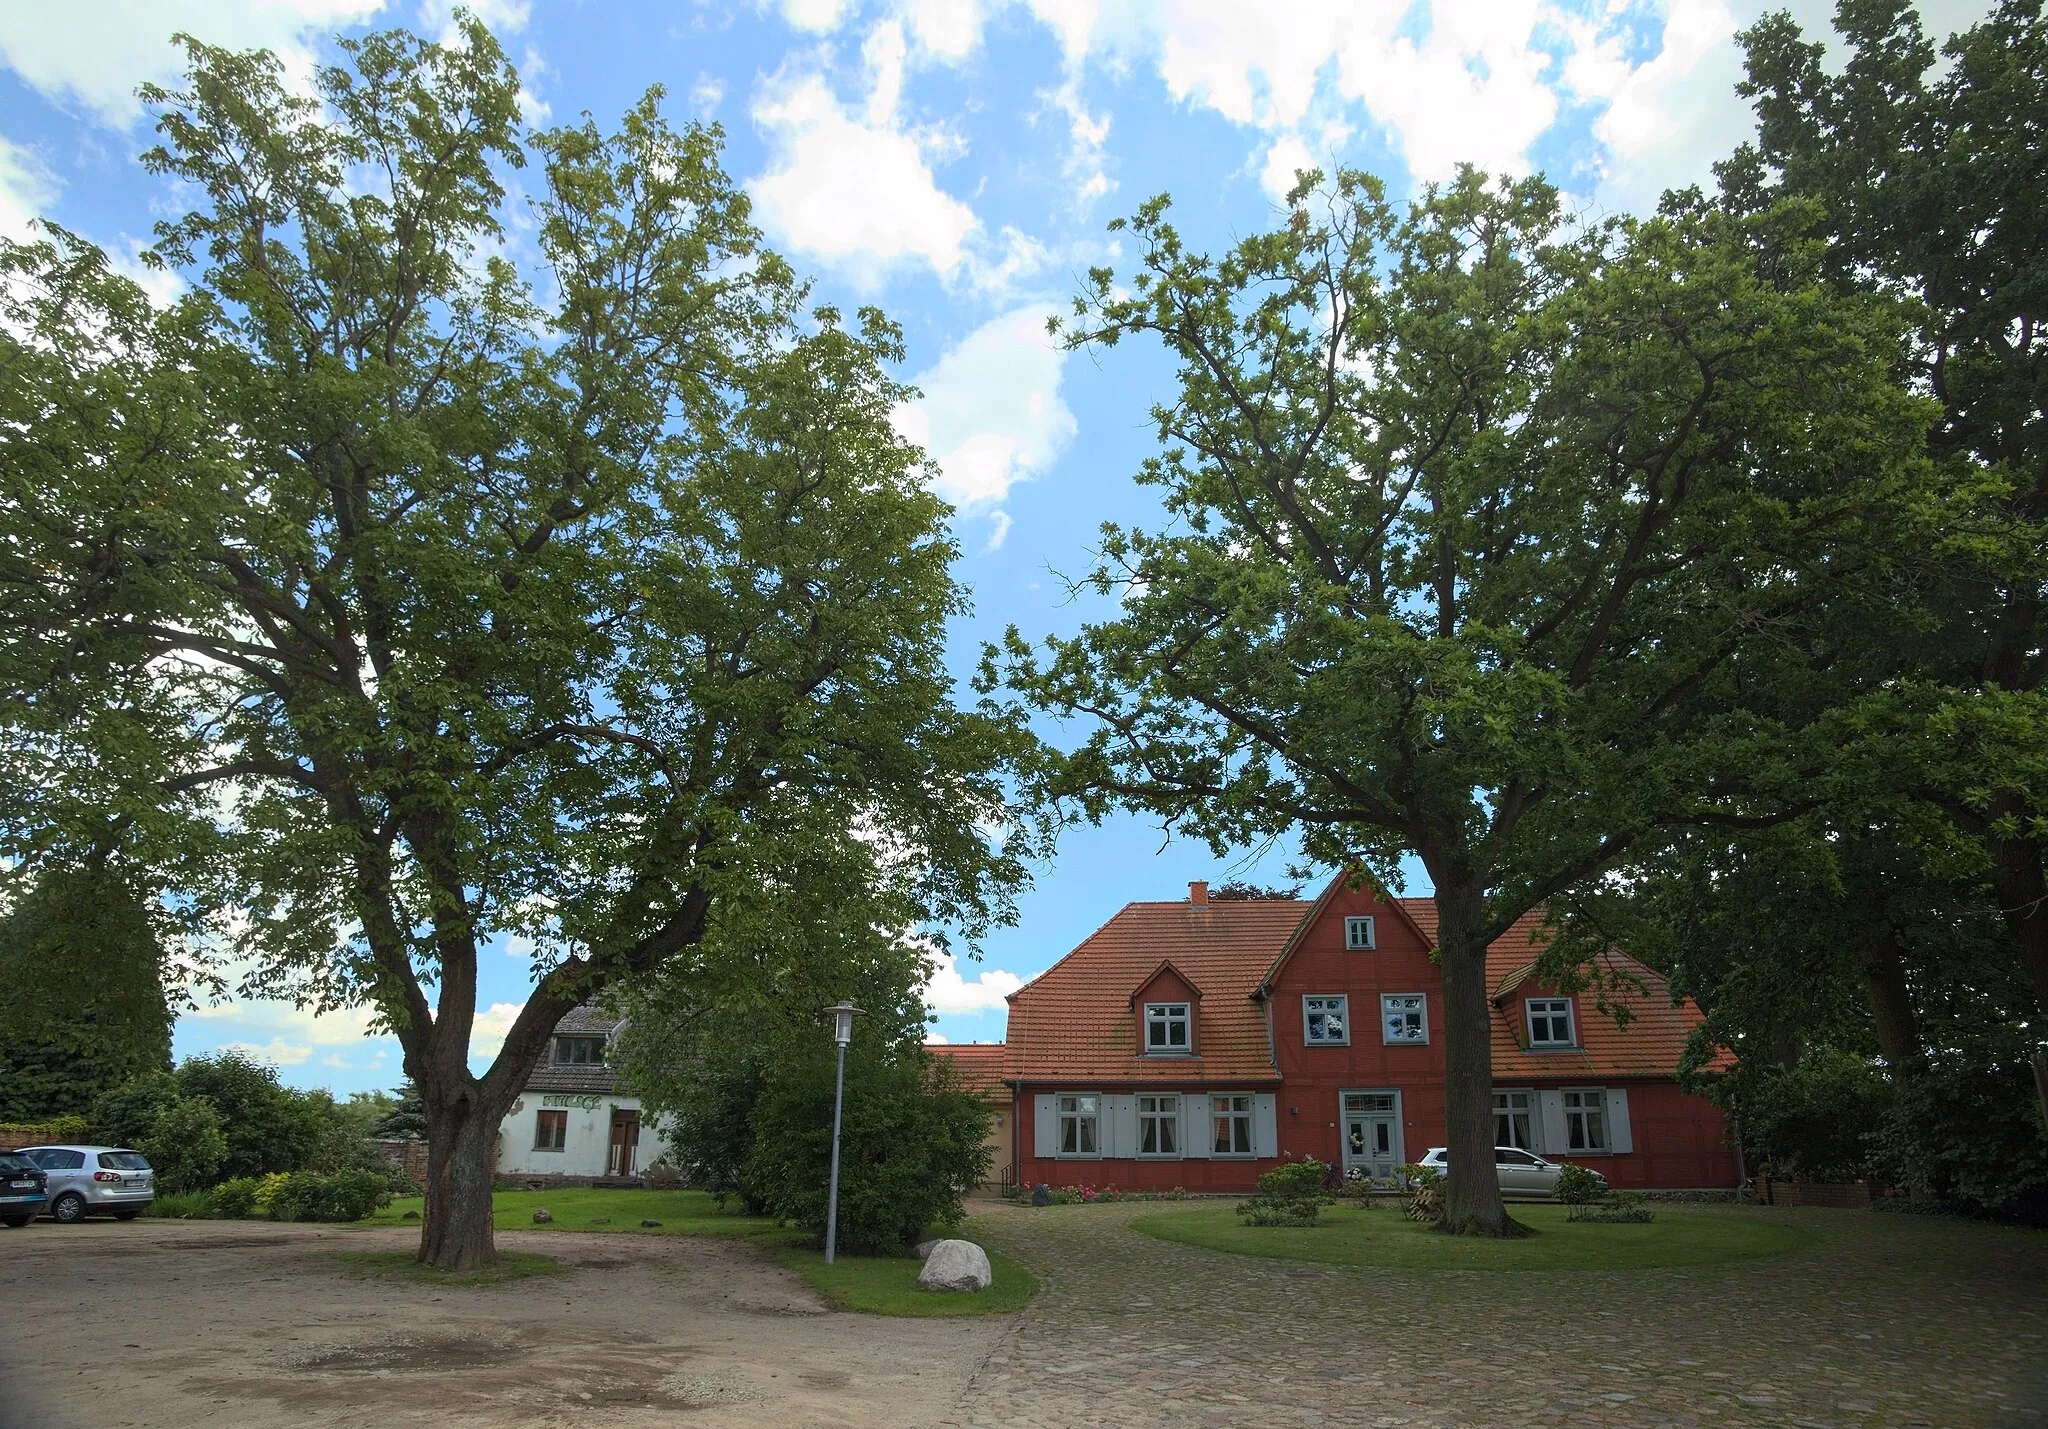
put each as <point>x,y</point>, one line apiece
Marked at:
<point>1198,893</point>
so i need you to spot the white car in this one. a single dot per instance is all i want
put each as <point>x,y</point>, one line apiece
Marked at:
<point>1521,1173</point>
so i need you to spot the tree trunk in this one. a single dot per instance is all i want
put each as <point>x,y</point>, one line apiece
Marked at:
<point>1891,1002</point>
<point>462,1150</point>
<point>2022,888</point>
<point>1472,1201</point>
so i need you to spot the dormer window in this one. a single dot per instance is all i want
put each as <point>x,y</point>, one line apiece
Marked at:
<point>579,1051</point>
<point>1358,935</point>
<point>1166,1029</point>
<point>1550,1022</point>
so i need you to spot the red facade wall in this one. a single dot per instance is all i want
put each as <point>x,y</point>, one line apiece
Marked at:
<point>1679,1141</point>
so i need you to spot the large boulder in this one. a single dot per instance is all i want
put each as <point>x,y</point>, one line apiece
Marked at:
<point>955,1265</point>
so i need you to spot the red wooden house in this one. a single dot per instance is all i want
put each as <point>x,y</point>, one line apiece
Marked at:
<point>1195,1044</point>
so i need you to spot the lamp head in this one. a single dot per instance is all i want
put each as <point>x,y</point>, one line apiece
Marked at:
<point>843,1014</point>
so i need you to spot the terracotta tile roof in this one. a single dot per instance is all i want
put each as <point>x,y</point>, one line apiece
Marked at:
<point>979,1064</point>
<point>1075,1019</point>
<point>1648,1047</point>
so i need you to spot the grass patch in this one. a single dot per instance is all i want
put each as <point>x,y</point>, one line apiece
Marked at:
<point>401,1265</point>
<point>1384,1237</point>
<point>887,1284</point>
<point>620,1212</point>
<point>182,1205</point>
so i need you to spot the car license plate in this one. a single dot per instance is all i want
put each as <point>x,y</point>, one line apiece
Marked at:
<point>134,1182</point>
<point>22,1185</point>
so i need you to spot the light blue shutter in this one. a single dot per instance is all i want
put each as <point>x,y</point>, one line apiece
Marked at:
<point>1045,1126</point>
<point>1120,1126</point>
<point>1265,1132</point>
<point>1555,1141</point>
<point>1619,1138</point>
<point>1196,1133</point>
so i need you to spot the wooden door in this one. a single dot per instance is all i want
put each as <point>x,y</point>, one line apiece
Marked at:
<point>625,1142</point>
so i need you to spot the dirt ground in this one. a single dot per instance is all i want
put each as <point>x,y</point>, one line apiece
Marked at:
<point>169,1324</point>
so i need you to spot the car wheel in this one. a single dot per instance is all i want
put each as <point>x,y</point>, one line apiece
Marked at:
<point>126,1215</point>
<point>17,1221</point>
<point>68,1209</point>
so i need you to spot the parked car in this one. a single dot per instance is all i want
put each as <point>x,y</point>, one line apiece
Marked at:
<point>94,1181</point>
<point>1521,1173</point>
<point>24,1189</point>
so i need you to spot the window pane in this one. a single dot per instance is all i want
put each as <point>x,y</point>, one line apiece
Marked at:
<point>1069,1136</point>
<point>1177,1034</point>
<point>1243,1130</point>
<point>1087,1136</point>
<point>1148,1137</point>
<point>1169,1141</point>
<point>1223,1136</point>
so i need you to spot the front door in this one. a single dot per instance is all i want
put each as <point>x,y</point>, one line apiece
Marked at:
<point>625,1142</point>
<point>1372,1133</point>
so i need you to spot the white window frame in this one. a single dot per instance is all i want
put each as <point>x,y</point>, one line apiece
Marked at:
<point>1578,1129</point>
<point>1061,1116</point>
<point>1336,1003</point>
<point>1552,1008</point>
<point>1166,1018</point>
<point>1359,933</point>
<point>1421,1007</point>
<point>1160,1118</point>
<point>1503,1106</point>
<point>1248,1117</point>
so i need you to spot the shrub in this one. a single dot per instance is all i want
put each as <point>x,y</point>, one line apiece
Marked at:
<point>185,1145</point>
<point>911,1148</point>
<point>1291,1194</point>
<point>267,1187</point>
<point>126,1116</point>
<point>182,1206</point>
<point>1422,1197</point>
<point>1576,1186</point>
<point>1612,1210</point>
<point>1966,1130</point>
<point>269,1127</point>
<point>236,1200</point>
<point>1811,1121</point>
<point>309,1196</point>
<point>57,1128</point>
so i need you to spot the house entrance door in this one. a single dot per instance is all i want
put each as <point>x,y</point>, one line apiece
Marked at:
<point>625,1142</point>
<point>1372,1133</point>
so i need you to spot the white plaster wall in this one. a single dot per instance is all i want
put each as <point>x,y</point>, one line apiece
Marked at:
<point>589,1138</point>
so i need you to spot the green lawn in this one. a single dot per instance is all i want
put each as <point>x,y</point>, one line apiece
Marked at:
<point>620,1212</point>
<point>1383,1236</point>
<point>887,1285</point>
<point>872,1285</point>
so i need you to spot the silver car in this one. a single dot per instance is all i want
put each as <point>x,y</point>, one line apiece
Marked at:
<point>94,1181</point>
<point>1521,1173</point>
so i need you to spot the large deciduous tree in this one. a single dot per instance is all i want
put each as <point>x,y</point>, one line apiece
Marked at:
<point>1934,180</point>
<point>422,576</point>
<point>1481,525</point>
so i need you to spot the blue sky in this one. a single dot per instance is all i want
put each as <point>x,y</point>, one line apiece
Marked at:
<point>956,161</point>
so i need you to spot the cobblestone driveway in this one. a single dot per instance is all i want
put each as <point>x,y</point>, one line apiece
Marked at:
<point>1886,1320</point>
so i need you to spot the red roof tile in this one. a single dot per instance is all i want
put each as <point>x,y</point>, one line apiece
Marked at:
<point>978,1064</point>
<point>1075,1020</point>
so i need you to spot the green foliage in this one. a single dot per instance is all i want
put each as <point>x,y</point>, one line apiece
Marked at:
<point>57,1128</point>
<point>185,1145</point>
<point>126,1115</point>
<point>1810,1122</point>
<point>309,1196</point>
<point>1575,1186</point>
<point>1620,1209</point>
<point>593,601</point>
<point>406,1118</point>
<point>912,1144</point>
<point>269,1127</point>
<point>82,1005</point>
<point>1422,1194</point>
<point>1966,1129</point>
<point>887,1285</point>
<point>1291,1194</point>
<point>236,1200</point>
<point>263,1200</point>
<point>182,1205</point>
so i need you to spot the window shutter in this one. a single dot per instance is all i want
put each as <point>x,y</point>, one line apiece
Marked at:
<point>1120,1126</point>
<point>1196,1135</point>
<point>1551,1136</point>
<point>1619,1138</point>
<point>1265,1134</point>
<point>1045,1126</point>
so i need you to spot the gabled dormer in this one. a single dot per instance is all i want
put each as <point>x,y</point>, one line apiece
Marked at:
<point>1167,1006</point>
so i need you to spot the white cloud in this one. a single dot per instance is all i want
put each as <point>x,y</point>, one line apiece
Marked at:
<point>26,191</point>
<point>856,192</point>
<point>937,1039</point>
<point>948,29</point>
<point>818,16</point>
<point>707,94</point>
<point>991,413</point>
<point>999,532</point>
<point>1287,155</point>
<point>948,992</point>
<point>487,1031</point>
<point>96,54</point>
<point>280,1033</point>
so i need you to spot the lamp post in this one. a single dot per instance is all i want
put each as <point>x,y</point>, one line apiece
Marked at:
<point>843,1014</point>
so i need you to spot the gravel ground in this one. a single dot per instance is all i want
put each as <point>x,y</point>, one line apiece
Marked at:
<point>1885,1320</point>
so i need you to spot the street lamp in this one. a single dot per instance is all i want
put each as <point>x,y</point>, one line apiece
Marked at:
<point>843,1014</point>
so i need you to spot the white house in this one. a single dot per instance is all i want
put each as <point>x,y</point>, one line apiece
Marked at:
<point>572,1122</point>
